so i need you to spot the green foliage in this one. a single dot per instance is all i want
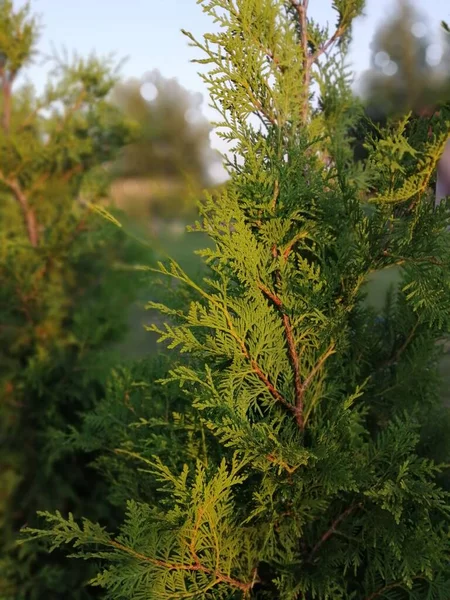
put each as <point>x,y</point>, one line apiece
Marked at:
<point>316,476</point>
<point>63,294</point>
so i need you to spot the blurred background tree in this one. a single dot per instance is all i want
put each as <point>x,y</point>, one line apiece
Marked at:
<point>410,66</point>
<point>162,173</point>
<point>64,292</point>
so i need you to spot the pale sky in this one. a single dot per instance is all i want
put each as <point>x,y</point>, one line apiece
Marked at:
<point>148,33</point>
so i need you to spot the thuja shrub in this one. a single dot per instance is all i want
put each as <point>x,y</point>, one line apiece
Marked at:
<point>317,476</point>
<point>64,294</point>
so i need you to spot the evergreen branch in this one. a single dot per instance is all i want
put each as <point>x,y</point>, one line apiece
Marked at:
<point>272,389</point>
<point>180,274</point>
<point>258,104</point>
<point>402,259</point>
<point>318,366</point>
<point>24,306</point>
<point>293,356</point>
<point>276,193</point>
<point>270,54</point>
<point>294,360</point>
<point>301,7</point>
<point>287,250</point>
<point>403,347</point>
<point>72,172</point>
<point>391,586</point>
<point>197,566</point>
<point>334,38</point>
<point>300,387</point>
<point>332,529</point>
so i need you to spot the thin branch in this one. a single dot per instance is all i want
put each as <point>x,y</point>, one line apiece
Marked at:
<point>334,38</point>
<point>391,586</point>
<point>403,347</point>
<point>274,392</point>
<point>302,7</point>
<point>220,577</point>
<point>402,259</point>
<point>276,61</point>
<point>299,405</point>
<point>258,104</point>
<point>318,366</point>
<point>291,244</point>
<point>333,529</point>
<point>276,193</point>
<point>28,213</point>
<point>292,351</point>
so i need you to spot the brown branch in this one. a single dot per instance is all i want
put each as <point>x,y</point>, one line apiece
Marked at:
<point>332,529</point>
<point>388,587</point>
<point>72,172</point>
<point>318,366</point>
<point>292,243</point>
<point>24,306</point>
<point>28,212</point>
<point>256,368</point>
<point>276,61</point>
<point>196,566</point>
<point>336,35</point>
<point>403,347</point>
<point>258,104</point>
<point>292,351</point>
<point>302,7</point>
<point>300,388</point>
<point>272,389</point>
<point>402,259</point>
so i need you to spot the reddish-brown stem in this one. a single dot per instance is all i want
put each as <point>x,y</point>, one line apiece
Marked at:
<point>293,356</point>
<point>403,347</point>
<point>72,172</point>
<point>297,409</point>
<point>196,566</point>
<point>332,529</point>
<point>318,366</point>
<point>272,389</point>
<point>300,387</point>
<point>301,6</point>
<point>403,259</point>
<point>388,587</point>
<point>257,369</point>
<point>28,212</point>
